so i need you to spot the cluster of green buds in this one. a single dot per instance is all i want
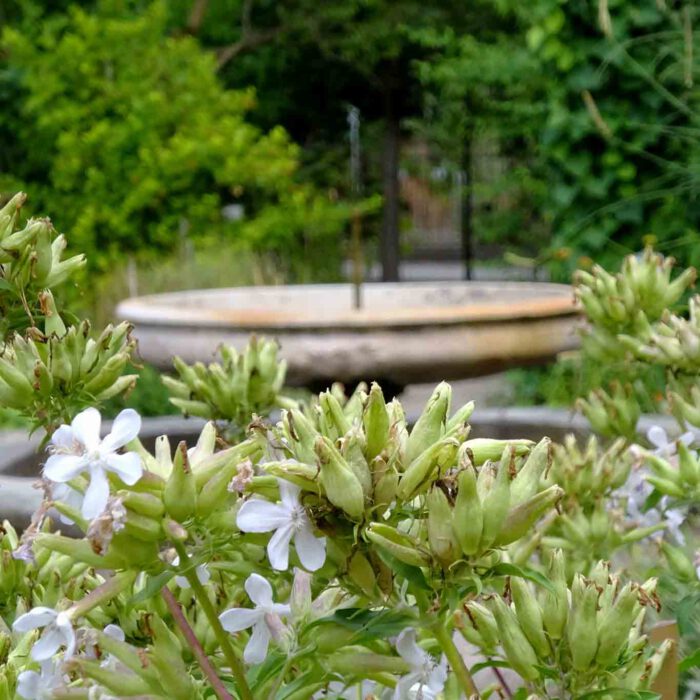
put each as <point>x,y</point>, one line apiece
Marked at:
<point>590,473</point>
<point>240,386</point>
<point>572,640</point>
<point>31,262</point>
<point>426,497</point>
<point>612,413</point>
<point>627,302</point>
<point>675,475</point>
<point>673,341</point>
<point>48,376</point>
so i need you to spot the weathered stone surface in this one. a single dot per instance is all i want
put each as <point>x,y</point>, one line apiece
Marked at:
<point>406,332</point>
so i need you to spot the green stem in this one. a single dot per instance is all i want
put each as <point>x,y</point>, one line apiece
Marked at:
<point>109,589</point>
<point>454,658</point>
<point>200,593</point>
<point>280,677</point>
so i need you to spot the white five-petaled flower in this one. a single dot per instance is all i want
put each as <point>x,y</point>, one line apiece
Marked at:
<point>78,448</point>
<point>201,571</point>
<point>663,447</point>
<point>261,618</point>
<point>33,685</point>
<point>426,678</point>
<point>58,631</point>
<point>289,521</point>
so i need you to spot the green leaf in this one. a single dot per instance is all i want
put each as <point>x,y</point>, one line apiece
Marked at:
<point>411,573</point>
<point>492,663</point>
<point>690,661</point>
<point>153,585</point>
<point>507,569</point>
<point>619,694</point>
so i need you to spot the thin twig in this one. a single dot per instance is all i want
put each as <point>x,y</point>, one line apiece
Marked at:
<point>200,654</point>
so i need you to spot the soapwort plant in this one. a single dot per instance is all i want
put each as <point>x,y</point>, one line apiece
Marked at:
<point>334,550</point>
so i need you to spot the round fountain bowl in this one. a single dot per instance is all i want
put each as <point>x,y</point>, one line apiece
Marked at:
<point>404,333</point>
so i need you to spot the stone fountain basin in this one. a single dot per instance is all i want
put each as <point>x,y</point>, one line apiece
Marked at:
<point>20,462</point>
<point>404,333</point>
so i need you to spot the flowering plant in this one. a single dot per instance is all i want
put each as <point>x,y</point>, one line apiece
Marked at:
<point>335,551</point>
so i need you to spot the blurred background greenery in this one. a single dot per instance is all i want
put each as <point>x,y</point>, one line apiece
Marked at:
<point>197,143</point>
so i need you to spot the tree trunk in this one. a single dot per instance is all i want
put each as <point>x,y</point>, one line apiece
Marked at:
<point>390,221</point>
<point>467,217</point>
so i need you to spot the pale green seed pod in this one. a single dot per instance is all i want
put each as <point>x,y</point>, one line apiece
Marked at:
<point>352,450</point>
<point>375,420</point>
<point>421,470</point>
<point>482,450</point>
<point>614,626</point>
<point>339,483</point>
<point>430,426</point>
<point>361,573</point>
<point>527,481</point>
<point>529,614</point>
<point>398,544</point>
<point>519,652</point>
<point>555,607</point>
<point>484,623</point>
<point>581,632</point>
<point>180,493</point>
<point>443,542</point>
<point>521,519</point>
<point>496,501</point>
<point>468,515</point>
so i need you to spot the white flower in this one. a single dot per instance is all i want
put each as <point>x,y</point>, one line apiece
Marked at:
<point>201,570</point>
<point>426,678</point>
<point>58,631</point>
<point>237,619</point>
<point>39,686</point>
<point>289,521</point>
<point>111,662</point>
<point>77,448</point>
<point>665,448</point>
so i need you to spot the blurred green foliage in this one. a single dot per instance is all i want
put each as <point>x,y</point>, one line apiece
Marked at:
<point>128,134</point>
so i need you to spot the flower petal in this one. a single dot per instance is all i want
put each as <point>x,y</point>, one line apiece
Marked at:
<point>403,687</point>
<point>657,436</point>
<point>438,676</point>
<point>203,574</point>
<point>115,632</point>
<point>62,468</point>
<point>96,495</point>
<point>125,428</point>
<point>36,617</point>
<point>237,619</point>
<point>48,644</point>
<point>258,515</point>
<point>311,550</point>
<point>289,493</point>
<point>63,437</point>
<point>259,590</point>
<point>127,466</point>
<point>86,428</point>
<point>409,651</point>
<point>278,547</point>
<point>256,649</point>
<point>182,582</point>
<point>29,685</point>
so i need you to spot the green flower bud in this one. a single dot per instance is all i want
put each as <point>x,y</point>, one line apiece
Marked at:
<point>361,573</point>
<point>376,422</point>
<point>421,470</point>
<point>523,517</point>
<point>614,626</point>
<point>443,542</point>
<point>340,485</point>
<point>430,426</point>
<point>520,654</point>
<point>468,516</point>
<point>679,563</point>
<point>527,481</point>
<point>359,661</point>
<point>496,500</point>
<point>180,494</point>
<point>556,604</point>
<point>352,450</point>
<point>399,545</point>
<point>482,450</point>
<point>459,418</point>
<point>337,422</point>
<point>529,614</point>
<point>581,631</point>
<point>484,623</point>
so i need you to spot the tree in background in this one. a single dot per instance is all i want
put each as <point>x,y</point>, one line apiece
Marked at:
<point>129,134</point>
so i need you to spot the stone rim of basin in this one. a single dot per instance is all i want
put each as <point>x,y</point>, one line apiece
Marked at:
<point>511,301</point>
